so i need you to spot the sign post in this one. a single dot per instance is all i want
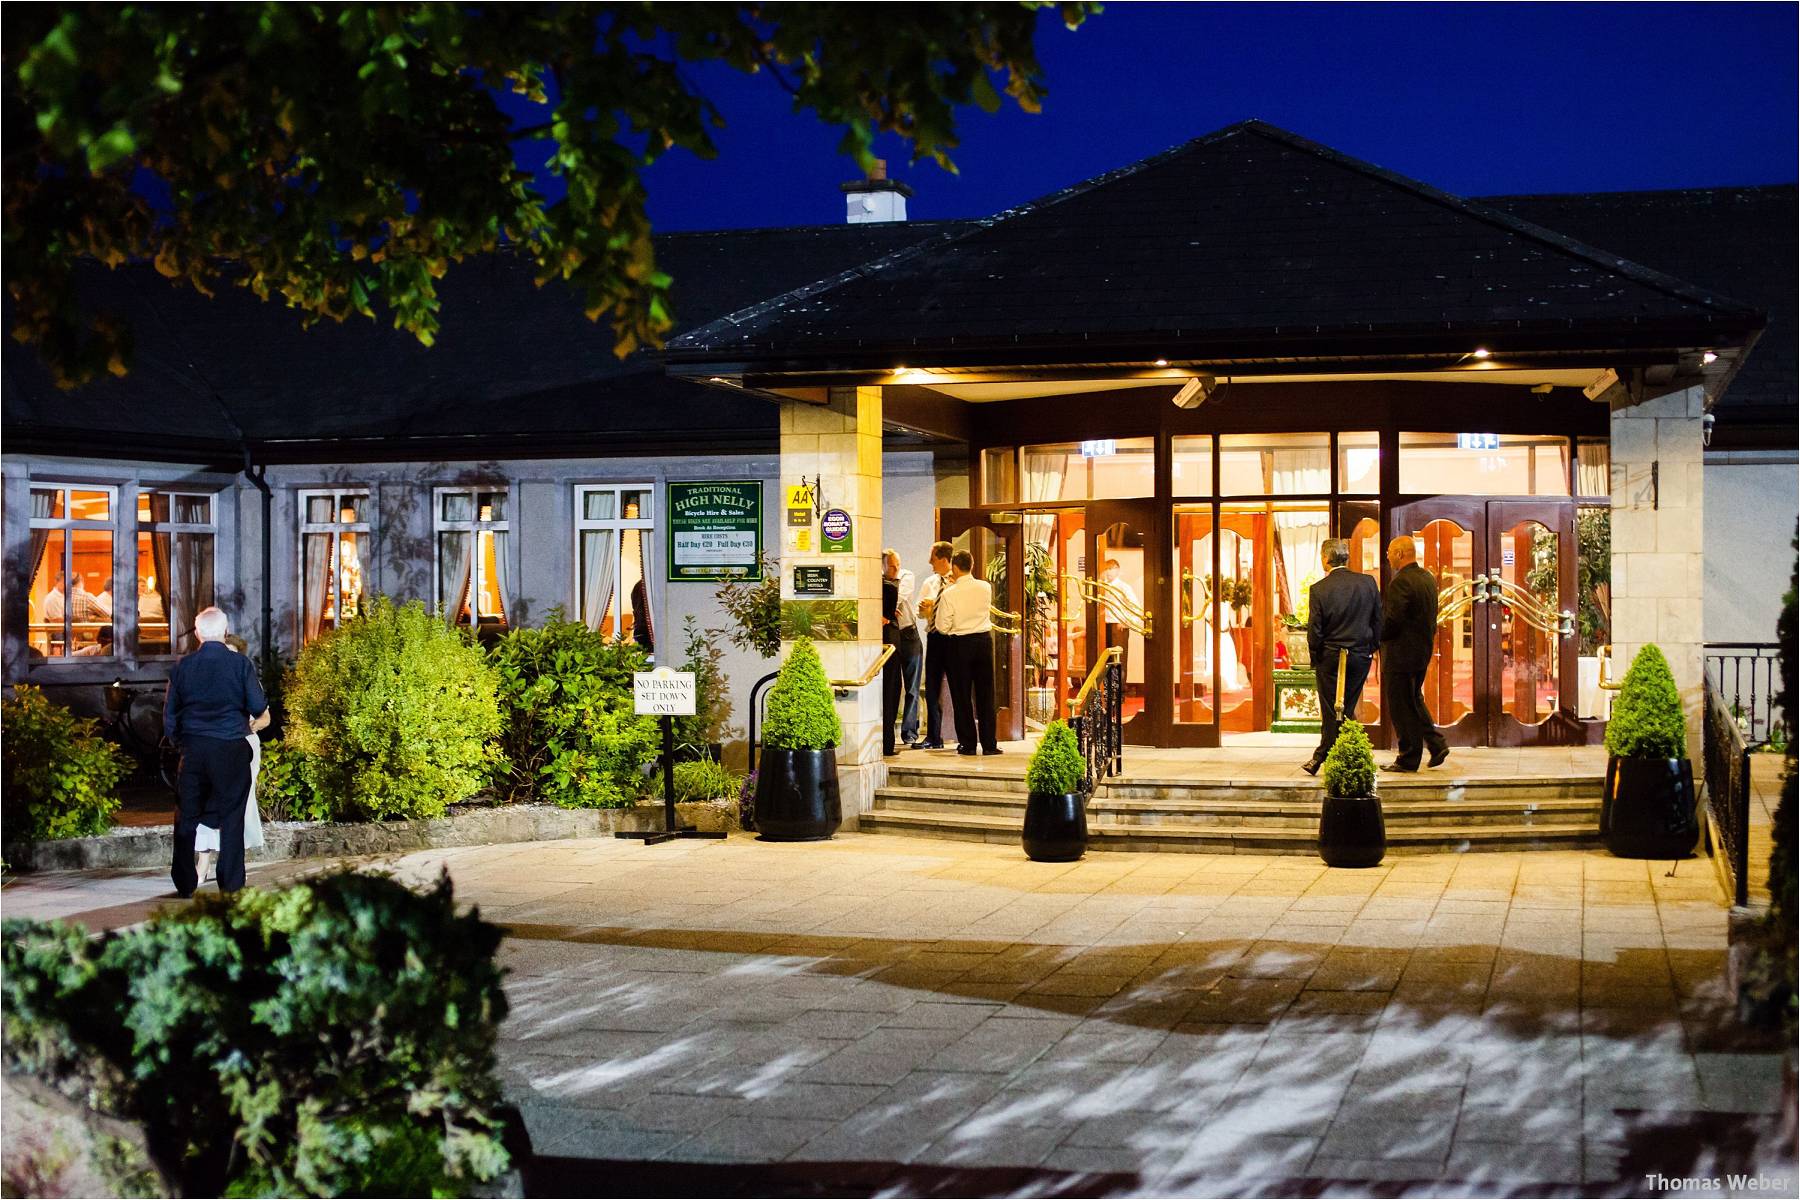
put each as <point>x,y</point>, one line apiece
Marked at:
<point>666,694</point>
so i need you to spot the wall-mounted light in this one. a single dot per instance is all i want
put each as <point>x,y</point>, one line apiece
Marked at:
<point>1482,352</point>
<point>1708,359</point>
<point>1162,362</point>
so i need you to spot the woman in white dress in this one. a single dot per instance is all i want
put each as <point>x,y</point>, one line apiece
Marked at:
<point>206,838</point>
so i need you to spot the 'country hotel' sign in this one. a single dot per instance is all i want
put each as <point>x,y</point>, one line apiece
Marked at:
<point>715,531</point>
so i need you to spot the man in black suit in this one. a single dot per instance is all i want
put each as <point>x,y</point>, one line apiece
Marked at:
<point>1409,612</point>
<point>1343,631</point>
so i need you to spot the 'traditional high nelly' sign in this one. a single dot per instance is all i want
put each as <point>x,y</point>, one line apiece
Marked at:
<point>715,530</point>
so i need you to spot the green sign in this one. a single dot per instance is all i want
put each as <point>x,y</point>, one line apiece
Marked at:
<point>715,531</point>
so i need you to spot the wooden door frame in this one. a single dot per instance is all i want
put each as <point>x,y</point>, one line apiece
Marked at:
<point>1345,518</point>
<point>1470,513</point>
<point>1204,734</point>
<point>1562,727</point>
<point>952,523</point>
<point>1151,726</point>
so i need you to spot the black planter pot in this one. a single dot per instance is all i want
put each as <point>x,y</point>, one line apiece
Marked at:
<point>1648,809</point>
<point>797,795</point>
<point>1055,827</point>
<point>1352,832</point>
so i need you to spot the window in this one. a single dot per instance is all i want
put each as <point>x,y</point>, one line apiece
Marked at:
<point>1191,466</point>
<point>1593,467</point>
<point>613,539</point>
<point>70,605</point>
<point>473,574</point>
<point>999,476</point>
<point>1097,469</point>
<point>1359,463</point>
<point>334,544</point>
<point>1483,464</point>
<point>175,549</point>
<point>1274,464</point>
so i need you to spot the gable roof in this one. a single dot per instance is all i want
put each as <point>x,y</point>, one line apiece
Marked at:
<point>515,367</point>
<point>1249,241</point>
<point>1740,240</point>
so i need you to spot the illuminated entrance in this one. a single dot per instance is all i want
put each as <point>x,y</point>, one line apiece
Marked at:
<point>1194,553</point>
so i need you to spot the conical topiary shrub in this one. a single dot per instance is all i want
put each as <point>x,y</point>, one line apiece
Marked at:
<point>1055,811</point>
<point>1646,716</point>
<point>802,715</point>
<point>1352,832</point>
<point>1649,808</point>
<point>797,797</point>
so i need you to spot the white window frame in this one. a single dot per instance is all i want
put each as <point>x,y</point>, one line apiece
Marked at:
<point>618,526</point>
<point>70,525</point>
<point>364,527</point>
<point>475,528</point>
<point>211,528</point>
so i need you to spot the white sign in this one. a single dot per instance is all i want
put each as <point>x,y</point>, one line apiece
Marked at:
<point>715,547</point>
<point>1099,448</point>
<point>664,692</point>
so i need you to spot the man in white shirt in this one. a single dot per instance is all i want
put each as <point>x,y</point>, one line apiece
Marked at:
<point>937,648</point>
<point>1121,602</point>
<point>963,614</point>
<point>908,650</point>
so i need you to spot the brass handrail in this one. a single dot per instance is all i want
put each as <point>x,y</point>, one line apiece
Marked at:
<point>845,685</point>
<point>1606,682</point>
<point>1107,657</point>
<point>1003,621</point>
<point>1131,614</point>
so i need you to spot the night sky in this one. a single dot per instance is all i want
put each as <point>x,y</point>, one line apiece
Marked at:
<point>1475,99</point>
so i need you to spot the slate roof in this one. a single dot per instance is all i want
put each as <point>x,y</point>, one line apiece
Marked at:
<point>1738,240</point>
<point>517,368</point>
<point>1247,242</point>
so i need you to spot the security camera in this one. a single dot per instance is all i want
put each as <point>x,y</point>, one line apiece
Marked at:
<point>1706,428</point>
<point>1195,391</point>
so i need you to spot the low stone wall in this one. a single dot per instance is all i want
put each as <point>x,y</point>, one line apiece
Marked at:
<point>136,848</point>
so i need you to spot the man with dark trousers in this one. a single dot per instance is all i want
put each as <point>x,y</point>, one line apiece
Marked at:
<point>965,611</point>
<point>214,701</point>
<point>890,672</point>
<point>1409,612</point>
<point>937,648</point>
<point>1343,631</point>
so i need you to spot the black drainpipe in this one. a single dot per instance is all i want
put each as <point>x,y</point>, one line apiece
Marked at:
<point>258,475</point>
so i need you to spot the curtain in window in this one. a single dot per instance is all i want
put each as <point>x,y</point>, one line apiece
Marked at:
<point>315,584</point>
<point>160,555</point>
<point>1044,471</point>
<point>456,562</point>
<point>1298,535</point>
<point>599,574</point>
<point>192,589</point>
<point>42,505</point>
<point>503,575</point>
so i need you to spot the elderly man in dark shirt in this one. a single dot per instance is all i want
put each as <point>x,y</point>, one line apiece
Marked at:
<point>215,701</point>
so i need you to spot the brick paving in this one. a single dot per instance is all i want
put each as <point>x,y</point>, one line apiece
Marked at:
<point>1547,1022</point>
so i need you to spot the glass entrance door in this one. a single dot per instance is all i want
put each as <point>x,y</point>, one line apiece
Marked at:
<point>1503,670</point>
<point>996,542</point>
<point>1121,567</point>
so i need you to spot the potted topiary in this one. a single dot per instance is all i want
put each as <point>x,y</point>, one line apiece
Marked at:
<point>796,775</point>
<point>1055,815</point>
<point>1351,830</point>
<point>1648,809</point>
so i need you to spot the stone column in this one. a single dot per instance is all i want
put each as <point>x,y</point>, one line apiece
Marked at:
<point>1658,560</point>
<point>837,446</point>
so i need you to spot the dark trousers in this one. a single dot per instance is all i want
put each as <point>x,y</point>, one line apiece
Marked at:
<point>890,698</point>
<point>911,655</point>
<point>1119,634</point>
<point>1356,673</point>
<point>1404,694</point>
<point>937,670</point>
<point>212,788</point>
<point>972,691</point>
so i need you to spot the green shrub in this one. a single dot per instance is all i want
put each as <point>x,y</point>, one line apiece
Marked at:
<point>1056,767</point>
<point>335,1038</point>
<point>712,701</point>
<point>1646,718</point>
<point>1350,766</point>
<point>61,778</point>
<point>396,714</point>
<point>571,735</point>
<point>282,793</point>
<point>802,715</point>
<point>702,780</point>
<point>756,610</point>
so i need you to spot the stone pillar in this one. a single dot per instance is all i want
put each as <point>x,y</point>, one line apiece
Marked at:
<point>1658,560</point>
<point>837,446</point>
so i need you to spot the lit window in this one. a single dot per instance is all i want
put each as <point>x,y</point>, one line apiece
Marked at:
<point>474,571</point>
<point>175,552</point>
<point>613,540</point>
<point>334,546</point>
<point>1101,469</point>
<point>1274,464</point>
<point>1483,464</point>
<point>70,604</point>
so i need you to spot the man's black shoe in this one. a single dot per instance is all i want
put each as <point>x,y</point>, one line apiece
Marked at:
<point>968,750</point>
<point>1311,766</point>
<point>1400,767</point>
<point>931,745</point>
<point>1437,760</point>
<point>990,749</point>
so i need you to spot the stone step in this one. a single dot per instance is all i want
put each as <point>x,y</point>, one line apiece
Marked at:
<point>947,776</point>
<point>1399,814</point>
<point>950,800</point>
<point>1241,839</point>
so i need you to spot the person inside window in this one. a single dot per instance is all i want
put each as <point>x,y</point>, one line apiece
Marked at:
<point>641,631</point>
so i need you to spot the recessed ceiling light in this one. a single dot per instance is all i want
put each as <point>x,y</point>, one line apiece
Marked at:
<point>1709,358</point>
<point>1162,362</point>
<point>1481,352</point>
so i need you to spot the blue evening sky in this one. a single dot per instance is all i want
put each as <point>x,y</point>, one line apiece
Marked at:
<point>1473,98</point>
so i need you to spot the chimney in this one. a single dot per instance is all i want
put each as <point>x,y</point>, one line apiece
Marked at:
<point>876,198</point>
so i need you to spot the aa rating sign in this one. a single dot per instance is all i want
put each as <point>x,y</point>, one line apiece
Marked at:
<point>664,692</point>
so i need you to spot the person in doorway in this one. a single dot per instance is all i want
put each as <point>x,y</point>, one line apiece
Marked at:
<point>214,696</point>
<point>1120,607</point>
<point>909,650</point>
<point>206,838</point>
<point>1409,613</point>
<point>1343,631</point>
<point>937,648</point>
<point>964,612</point>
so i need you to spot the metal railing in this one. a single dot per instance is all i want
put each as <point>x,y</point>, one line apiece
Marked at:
<point>1728,788</point>
<point>1744,673</point>
<point>1099,719</point>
